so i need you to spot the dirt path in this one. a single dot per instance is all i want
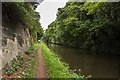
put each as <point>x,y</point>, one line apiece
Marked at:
<point>41,71</point>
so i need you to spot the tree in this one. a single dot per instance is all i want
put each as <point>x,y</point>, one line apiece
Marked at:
<point>87,25</point>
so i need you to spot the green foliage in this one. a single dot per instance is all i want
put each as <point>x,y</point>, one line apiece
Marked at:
<point>23,12</point>
<point>30,72</point>
<point>24,67</point>
<point>16,64</point>
<point>87,25</point>
<point>56,68</point>
<point>32,49</point>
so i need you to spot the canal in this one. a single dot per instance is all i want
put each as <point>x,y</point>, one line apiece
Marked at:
<point>89,63</point>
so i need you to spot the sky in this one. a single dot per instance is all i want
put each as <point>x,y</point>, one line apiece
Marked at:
<point>48,10</point>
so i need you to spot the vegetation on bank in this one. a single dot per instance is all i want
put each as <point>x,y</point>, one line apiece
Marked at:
<point>56,68</point>
<point>24,65</point>
<point>87,25</point>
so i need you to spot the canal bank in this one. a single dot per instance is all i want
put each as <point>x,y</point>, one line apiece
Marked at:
<point>55,67</point>
<point>89,63</point>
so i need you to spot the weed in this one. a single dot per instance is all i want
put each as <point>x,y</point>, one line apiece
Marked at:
<point>31,67</point>
<point>24,67</point>
<point>56,68</point>
<point>32,49</point>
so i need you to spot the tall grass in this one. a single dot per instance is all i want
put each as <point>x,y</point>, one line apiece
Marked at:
<point>56,68</point>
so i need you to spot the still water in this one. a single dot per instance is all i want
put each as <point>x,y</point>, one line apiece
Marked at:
<point>99,66</point>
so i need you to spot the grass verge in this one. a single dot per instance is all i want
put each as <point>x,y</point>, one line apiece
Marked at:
<point>55,67</point>
<point>31,71</point>
<point>24,65</point>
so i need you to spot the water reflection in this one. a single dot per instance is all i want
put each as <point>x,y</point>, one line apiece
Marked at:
<point>99,66</point>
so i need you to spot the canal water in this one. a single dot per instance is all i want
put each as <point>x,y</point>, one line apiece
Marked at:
<point>89,63</point>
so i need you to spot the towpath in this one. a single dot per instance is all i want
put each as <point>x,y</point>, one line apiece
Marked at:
<point>41,69</point>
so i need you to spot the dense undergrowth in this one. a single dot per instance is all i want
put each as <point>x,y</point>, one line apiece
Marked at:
<point>24,65</point>
<point>56,68</point>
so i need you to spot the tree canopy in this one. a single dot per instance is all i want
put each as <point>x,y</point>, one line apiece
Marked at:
<point>87,25</point>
